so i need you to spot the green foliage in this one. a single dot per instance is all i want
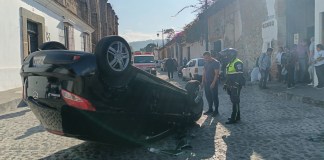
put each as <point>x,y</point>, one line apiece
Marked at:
<point>194,31</point>
<point>149,48</point>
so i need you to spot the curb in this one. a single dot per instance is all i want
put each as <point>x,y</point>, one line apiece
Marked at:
<point>300,99</point>
<point>293,97</point>
<point>9,106</point>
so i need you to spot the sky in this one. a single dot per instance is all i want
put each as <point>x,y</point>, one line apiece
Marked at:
<point>143,19</point>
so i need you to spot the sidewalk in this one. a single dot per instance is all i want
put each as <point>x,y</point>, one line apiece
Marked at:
<point>10,99</point>
<point>301,93</point>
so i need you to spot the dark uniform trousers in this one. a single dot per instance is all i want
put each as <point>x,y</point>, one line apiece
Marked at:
<point>234,93</point>
<point>212,97</point>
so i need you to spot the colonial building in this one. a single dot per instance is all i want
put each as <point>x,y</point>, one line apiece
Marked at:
<point>103,19</point>
<point>252,26</point>
<point>30,23</point>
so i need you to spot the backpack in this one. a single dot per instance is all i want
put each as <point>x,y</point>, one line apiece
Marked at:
<point>257,61</point>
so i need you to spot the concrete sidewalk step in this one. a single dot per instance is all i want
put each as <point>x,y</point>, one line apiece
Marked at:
<point>301,93</point>
<point>10,99</point>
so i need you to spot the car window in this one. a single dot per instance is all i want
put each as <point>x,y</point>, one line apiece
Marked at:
<point>193,63</point>
<point>188,64</point>
<point>143,59</point>
<point>201,62</point>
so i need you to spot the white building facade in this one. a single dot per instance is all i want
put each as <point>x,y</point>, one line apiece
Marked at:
<point>193,50</point>
<point>319,26</point>
<point>28,24</point>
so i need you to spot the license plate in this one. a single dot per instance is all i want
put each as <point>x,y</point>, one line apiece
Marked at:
<point>38,61</point>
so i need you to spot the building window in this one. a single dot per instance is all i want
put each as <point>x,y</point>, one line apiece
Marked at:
<point>32,36</point>
<point>32,31</point>
<point>69,36</point>
<point>86,45</point>
<point>217,47</point>
<point>66,35</point>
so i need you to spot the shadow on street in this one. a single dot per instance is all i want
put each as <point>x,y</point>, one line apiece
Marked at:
<point>14,115</point>
<point>31,131</point>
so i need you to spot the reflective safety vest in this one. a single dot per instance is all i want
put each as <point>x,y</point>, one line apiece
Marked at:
<point>230,68</point>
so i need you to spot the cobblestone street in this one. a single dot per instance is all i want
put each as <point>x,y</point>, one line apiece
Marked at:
<point>270,128</point>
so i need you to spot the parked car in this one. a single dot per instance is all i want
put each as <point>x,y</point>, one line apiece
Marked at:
<point>193,70</point>
<point>145,62</point>
<point>101,97</point>
<point>180,71</point>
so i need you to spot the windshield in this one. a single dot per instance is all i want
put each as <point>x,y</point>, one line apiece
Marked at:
<point>143,59</point>
<point>201,62</point>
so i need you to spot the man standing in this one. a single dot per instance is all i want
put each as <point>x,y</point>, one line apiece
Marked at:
<point>185,61</point>
<point>302,51</point>
<point>290,66</point>
<point>234,82</point>
<point>170,67</point>
<point>210,83</point>
<point>319,65</point>
<point>279,63</point>
<point>264,66</point>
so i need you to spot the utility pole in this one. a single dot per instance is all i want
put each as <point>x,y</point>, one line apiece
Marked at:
<point>206,24</point>
<point>162,33</point>
<point>162,37</point>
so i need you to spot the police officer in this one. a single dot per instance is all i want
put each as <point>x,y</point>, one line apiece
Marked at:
<point>234,81</point>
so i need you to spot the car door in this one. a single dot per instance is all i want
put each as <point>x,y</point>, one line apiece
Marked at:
<point>200,65</point>
<point>192,68</point>
<point>186,70</point>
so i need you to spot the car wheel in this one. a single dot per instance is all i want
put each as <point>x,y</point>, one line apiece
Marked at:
<point>113,56</point>
<point>53,45</point>
<point>196,108</point>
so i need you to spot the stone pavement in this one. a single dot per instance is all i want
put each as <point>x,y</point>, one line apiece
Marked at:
<point>10,99</point>
<point>271,128</point>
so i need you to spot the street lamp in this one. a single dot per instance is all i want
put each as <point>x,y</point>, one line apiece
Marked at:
<point>158,34</point>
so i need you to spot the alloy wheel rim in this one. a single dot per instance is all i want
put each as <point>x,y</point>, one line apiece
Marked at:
<point>118,56</point>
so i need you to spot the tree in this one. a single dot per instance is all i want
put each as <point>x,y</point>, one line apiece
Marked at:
<point>149,47</point>
<point>199,27</point>
<point>200,7</point>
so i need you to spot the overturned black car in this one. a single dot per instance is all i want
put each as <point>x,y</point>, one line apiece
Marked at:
<point>101,97</point>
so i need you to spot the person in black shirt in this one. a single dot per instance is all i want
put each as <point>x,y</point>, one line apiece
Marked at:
<point>169,63</point>
<point>210,83</point>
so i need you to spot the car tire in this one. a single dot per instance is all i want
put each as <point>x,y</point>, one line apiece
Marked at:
<point>195,109</point>
<point>190,77</point>
<point>52,45</point>
<point>113,55</point>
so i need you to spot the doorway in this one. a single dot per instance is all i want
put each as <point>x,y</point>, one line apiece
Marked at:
<point>322,28</point>
<point>32,36</point>
<point>188,53</point>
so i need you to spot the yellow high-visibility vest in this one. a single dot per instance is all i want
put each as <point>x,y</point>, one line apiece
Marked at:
<point>230,68</point>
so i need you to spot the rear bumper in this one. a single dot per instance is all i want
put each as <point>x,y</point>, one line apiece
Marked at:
<point>103,127</point>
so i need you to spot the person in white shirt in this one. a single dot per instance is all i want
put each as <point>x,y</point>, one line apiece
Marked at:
<point>311,52</point>
<point>279,64</point>
<point>319,65</point>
